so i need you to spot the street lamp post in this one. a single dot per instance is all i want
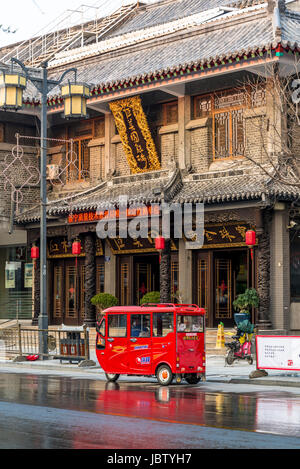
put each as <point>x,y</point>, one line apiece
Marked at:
<point>12,85</point>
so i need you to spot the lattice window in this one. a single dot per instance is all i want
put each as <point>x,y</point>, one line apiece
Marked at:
<point>227,111</point>
<point>125,284</point>
<point>71,292</point>
<point>100,278</point>
<point>202,283</point>
<point>228,133</point>
<point>174,279</point>
<point>143,280</point>
<point>170,113</point>
<point>230,98</point>
<point>57,293</point>
<point>223,271</point>
<point>203,106</point>
<point>82,291</point>
<point>78,156</point>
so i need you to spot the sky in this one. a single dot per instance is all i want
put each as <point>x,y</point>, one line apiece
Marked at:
<point>27,18</point>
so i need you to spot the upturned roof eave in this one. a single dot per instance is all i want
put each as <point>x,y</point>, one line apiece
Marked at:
<point>177,72</point>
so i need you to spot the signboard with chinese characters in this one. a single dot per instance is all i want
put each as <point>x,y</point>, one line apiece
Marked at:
<point>131,212</point>
<point>132,246</point>
<point>225,235</point>
<point>60,247</point>
<point>135,134</point>
<point>278,352</point>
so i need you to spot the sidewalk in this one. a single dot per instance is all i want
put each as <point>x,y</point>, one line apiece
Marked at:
<point>216,371</point>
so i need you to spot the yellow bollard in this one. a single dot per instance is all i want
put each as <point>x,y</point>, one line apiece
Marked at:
<point>220,336</point>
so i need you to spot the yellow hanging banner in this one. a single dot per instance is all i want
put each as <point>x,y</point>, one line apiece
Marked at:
<point>135,135</point>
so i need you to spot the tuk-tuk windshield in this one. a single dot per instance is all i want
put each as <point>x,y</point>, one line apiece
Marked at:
<point>190,323</point>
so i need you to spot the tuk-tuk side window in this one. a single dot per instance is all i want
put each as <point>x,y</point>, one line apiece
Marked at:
<point>117,325</point>
<point>101,329</point>
<point>163,324</point>
<point>140,325</point>
<point>190,323</point>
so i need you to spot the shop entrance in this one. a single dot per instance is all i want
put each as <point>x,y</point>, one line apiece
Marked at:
<point>221,276</point>
<point>139,274</point>
<point>146,276</point>
<point>67,299</point>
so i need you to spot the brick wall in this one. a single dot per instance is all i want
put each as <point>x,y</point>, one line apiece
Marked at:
<point>201,148</point>
<point>255,135</point>
<point>120,161</point>
<point>97,160</point>
<point>169,148</point>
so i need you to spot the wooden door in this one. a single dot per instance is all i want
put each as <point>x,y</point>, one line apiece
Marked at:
<point>202,289</point>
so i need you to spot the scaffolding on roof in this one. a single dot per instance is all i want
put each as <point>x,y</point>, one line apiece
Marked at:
<point>67,32</point>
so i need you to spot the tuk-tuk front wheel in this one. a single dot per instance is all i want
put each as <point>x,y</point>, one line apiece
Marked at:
<point>111,377</point>
<point>164,375</point>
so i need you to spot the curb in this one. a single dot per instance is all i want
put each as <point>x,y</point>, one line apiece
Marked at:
<point>97,371</point>
<point>257,381</point>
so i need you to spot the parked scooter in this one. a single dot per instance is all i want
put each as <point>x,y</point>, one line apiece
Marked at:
<point>240,347</point>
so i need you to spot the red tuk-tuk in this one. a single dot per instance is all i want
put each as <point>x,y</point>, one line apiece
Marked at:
<point>162,340</point>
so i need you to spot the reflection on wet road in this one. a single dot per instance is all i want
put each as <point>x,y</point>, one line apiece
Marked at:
<point>58,412</point>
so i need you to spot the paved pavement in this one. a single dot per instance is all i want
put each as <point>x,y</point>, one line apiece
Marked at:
<point>216,371</point>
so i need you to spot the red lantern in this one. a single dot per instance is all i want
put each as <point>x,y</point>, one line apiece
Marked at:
<point>76,248</point>
<point>35,252</point>
<point>160,243</point>
<point>251,240</point>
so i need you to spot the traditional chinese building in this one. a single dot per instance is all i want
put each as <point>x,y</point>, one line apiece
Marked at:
<point>172,118</point>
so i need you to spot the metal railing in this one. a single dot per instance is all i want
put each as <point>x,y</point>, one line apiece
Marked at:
<point>17,305</point>
<point>20,342</point>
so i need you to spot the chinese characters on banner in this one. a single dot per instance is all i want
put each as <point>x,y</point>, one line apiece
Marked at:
<point>135,134</point>
<point>278,352</point>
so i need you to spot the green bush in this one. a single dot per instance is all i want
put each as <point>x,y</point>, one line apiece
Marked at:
<point>151,297</point>
<point>104,300</point>
<point>246,301</point>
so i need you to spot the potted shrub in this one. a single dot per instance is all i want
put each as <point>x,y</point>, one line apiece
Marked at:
<point>103,301</point>
<point>246,301</point>
<point>151,297</point>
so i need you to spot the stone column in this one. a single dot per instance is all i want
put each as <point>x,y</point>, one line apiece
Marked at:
<point>280,269</point>
<point>108,152</point>
<point>90,278</point>
<point>109,270</point>
<point>185,272</point>
<point>263,271</point>
<point>184,138</point>
<point>165,273</point>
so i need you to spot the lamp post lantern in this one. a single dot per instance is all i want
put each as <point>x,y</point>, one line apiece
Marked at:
<point>12,84</point>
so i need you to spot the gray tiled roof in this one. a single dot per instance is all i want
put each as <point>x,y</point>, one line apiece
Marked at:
<point>142,188</point>
<point>165,11</point>
<point>234,188</point>
<point>197,48</point>
<point>290,24</point>
<point>215,189</point>
<point>233,34</point>
<point>171,10</point>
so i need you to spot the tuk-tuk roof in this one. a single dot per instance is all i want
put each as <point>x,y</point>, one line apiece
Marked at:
<point>162,307</point>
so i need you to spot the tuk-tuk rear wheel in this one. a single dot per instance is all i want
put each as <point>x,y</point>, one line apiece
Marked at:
<point>192,379</point>
<point>111,377</point>
<point>164,375</point>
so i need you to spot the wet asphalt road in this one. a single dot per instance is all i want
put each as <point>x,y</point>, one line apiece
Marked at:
<point>55,412</point>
